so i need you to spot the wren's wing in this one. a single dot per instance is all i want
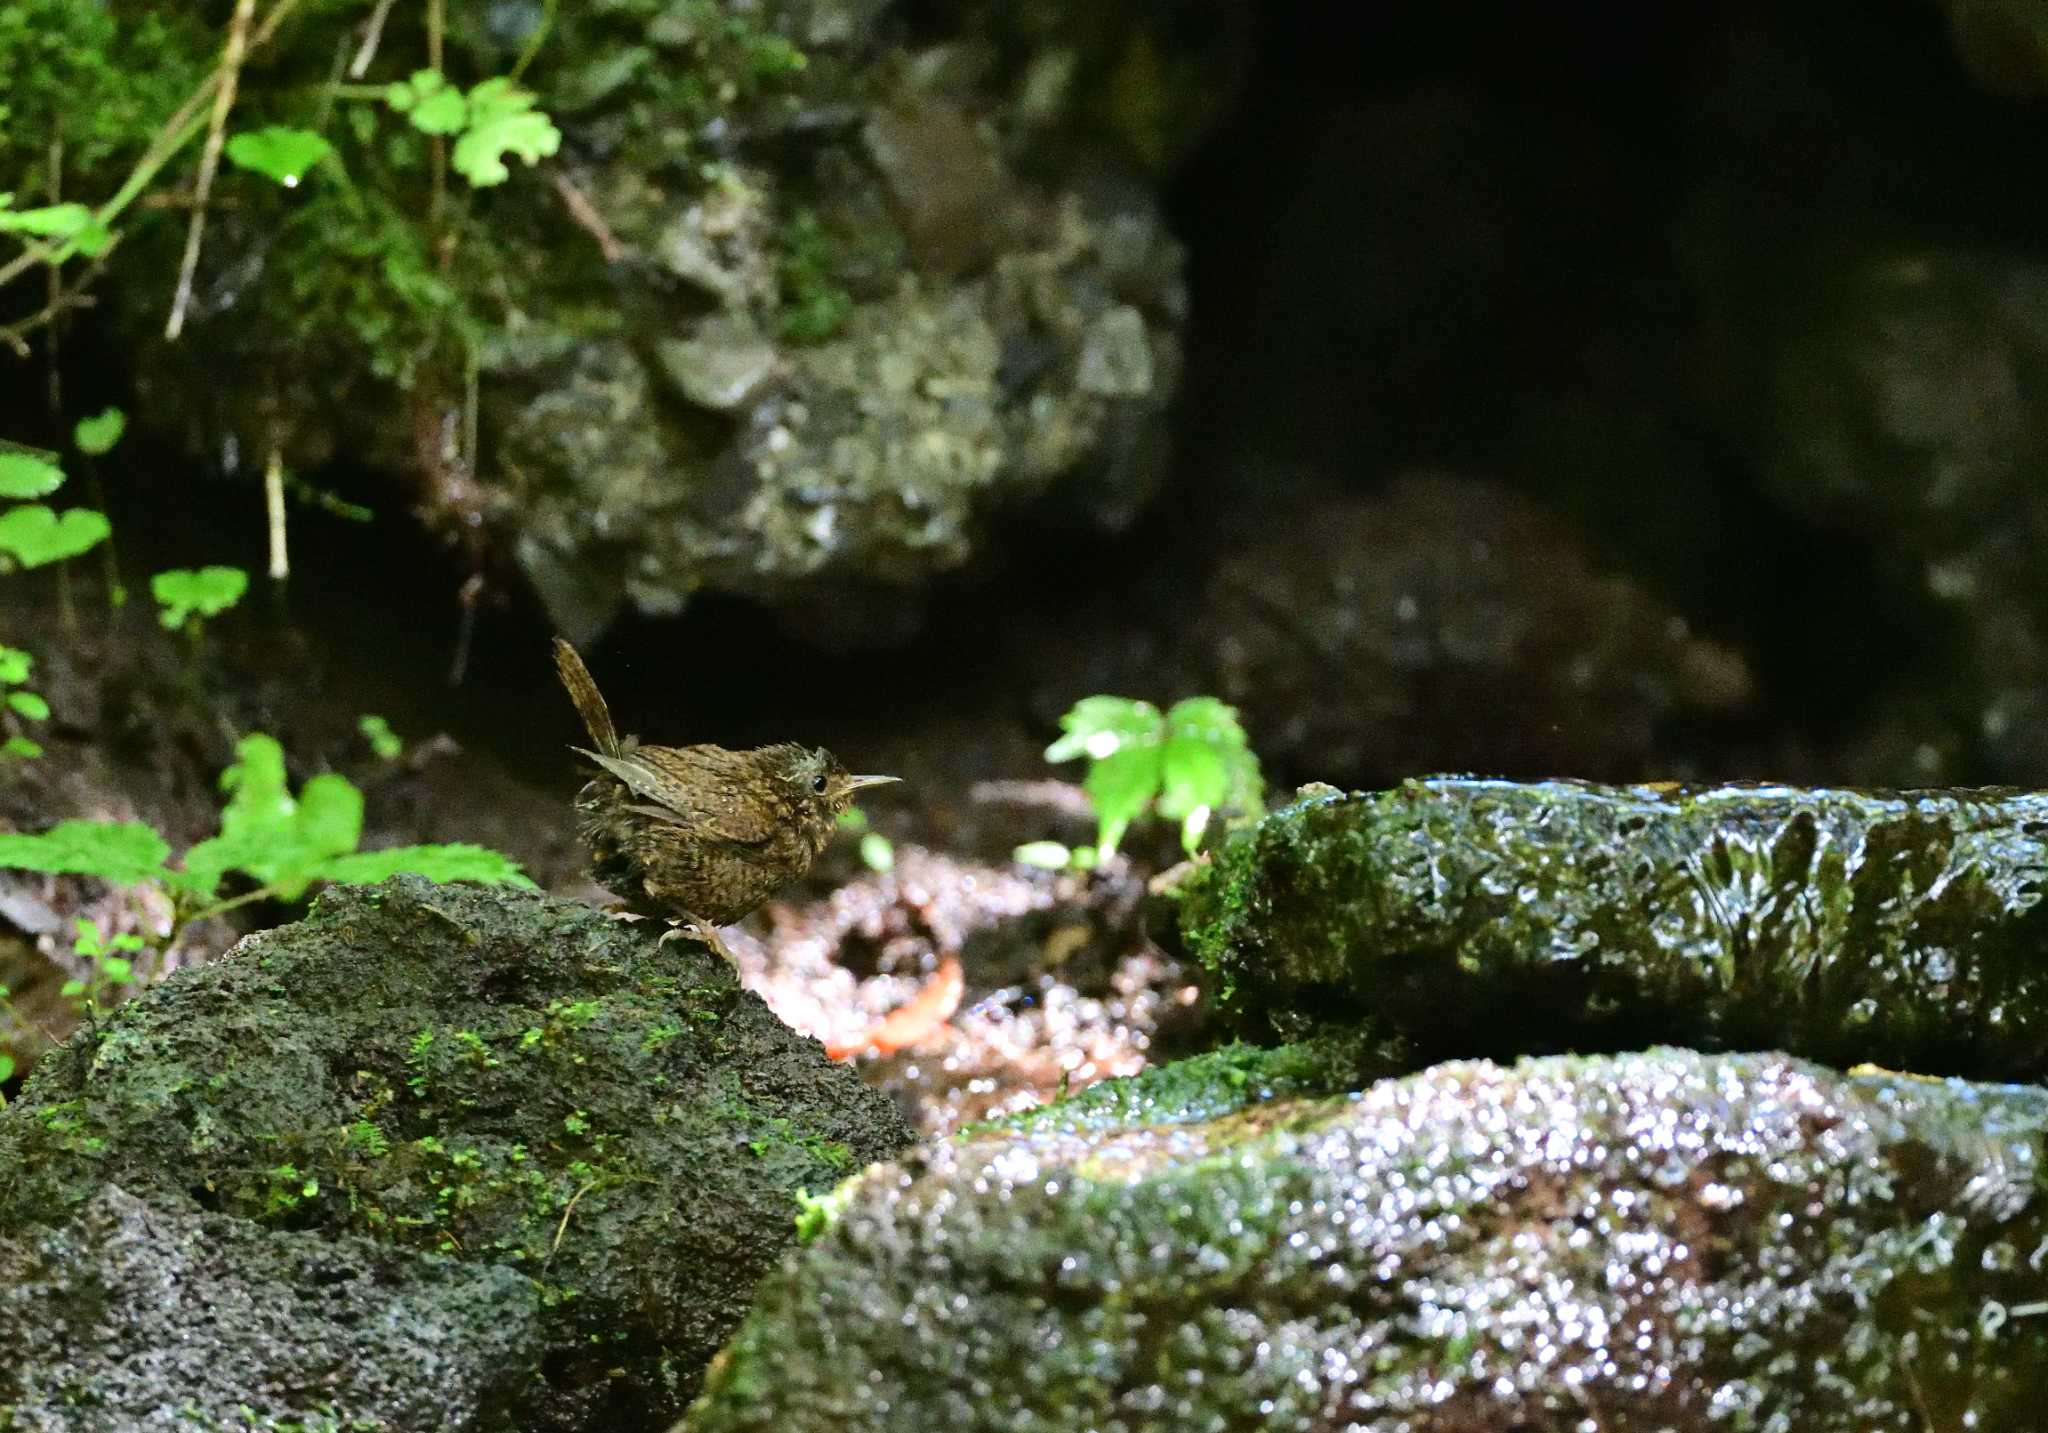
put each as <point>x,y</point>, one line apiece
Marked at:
<point>703,788</point>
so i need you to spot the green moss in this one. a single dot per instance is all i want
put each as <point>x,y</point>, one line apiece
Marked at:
<point>1494,918</point>
<point>815,303</point>
<point>490,1077</point>
<point>1372,1260</point>
<point>1207,1086</point>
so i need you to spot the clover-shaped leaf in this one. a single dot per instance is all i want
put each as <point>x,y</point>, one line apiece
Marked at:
<point>502,121</point>
<point>278,152</point>
<point>208,592</point>
<point>34,535</point>
<point>25,473</point>
<point>98,434</point>
<point>432,104</point>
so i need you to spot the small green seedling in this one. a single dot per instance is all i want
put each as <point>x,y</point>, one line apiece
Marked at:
<point>189,597</point>
<point>279,153</point>
<point>33,534</point>
<point>24,705</point>
<point>97,435</point>
<point>382,739</point>
<point>1190,764</point>
<point>495,119</point>
<point>281,841</point>
<point>112,969</point>
<point>877,852</point>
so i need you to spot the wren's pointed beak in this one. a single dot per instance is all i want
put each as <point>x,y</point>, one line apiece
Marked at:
<point>855,783</point>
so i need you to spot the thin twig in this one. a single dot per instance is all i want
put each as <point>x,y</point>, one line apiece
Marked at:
<point>563,1227</point>
<point>176,133</point>
<point>537,39</point>
<point>587,218</point>
<point>209,158</point>
<point>436,20</point>
<point>372,34</point>
<point>273,507</point>
<point>54,290</point>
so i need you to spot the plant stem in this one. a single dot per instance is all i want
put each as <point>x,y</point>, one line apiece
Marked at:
<point>230,78</point>
<point>176,132</point>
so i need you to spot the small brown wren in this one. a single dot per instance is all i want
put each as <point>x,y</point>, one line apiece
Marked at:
<point>700,835</point>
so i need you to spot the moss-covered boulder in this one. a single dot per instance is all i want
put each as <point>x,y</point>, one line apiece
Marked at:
<point>803,292</point>
<point>1667,1240</point>
<point>1491,917</point>
<point>524,1085</point>
<point>138,1315</point>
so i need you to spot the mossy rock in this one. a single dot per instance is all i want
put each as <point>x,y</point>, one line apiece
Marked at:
<point>488,1076</point>
<point>1677,1240</point>
<point>301,1330</point>
<point>1497,918</point>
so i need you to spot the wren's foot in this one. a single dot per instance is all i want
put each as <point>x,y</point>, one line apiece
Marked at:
<point>703,932</point>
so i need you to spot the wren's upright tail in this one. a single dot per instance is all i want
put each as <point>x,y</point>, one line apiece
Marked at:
<point>597,717</point>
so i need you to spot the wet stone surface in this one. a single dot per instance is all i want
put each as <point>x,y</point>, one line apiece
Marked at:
<point>1666,1240</point>
<point>1491,917</point>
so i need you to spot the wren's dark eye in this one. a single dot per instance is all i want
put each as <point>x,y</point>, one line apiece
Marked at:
<point>818,784</point>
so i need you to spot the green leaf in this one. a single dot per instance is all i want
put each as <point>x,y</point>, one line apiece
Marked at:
<point>278,152</point>
<point>434,105</point>
<point>6,1068</point>
<point>14,665</point>
<point>72,224</point>
<point>502,120</point>
<point>52,221</point>
<point>98,434</point>
<point>209,592</point>
<point>118,970</point>
<point>30,705</point>
<point>330,817</point>
<point>877,852</point>
<point>22,747</point>
<point>1101,726</point>
<point>26,474</point>
<point>121,851</point>
<point>1192,775</point>
<point>1121,785</point>
<point>454,862</point>
<point>34,535</point>
<point>382,739</point>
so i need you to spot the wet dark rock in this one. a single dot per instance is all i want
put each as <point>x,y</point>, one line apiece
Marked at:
<point>809,294</point>
<point>1677,1241</point>
<point>521,1084</point>
<point>1489,917</point>
<point>140,1315</point>
<point>1447,624</point>
<point>1904,416</point>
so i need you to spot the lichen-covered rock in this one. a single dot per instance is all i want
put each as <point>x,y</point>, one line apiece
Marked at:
<point>143,1316</point>
<point>522,1084</point>
<point>1444,623</point>
<point>1664,1241</point>
<point>810,290</point>
<point>1490,917</point>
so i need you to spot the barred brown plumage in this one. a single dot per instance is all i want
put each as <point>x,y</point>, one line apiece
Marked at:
<point>700,835</point>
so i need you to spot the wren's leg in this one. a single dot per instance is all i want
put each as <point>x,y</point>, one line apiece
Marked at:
<point>703,932</point>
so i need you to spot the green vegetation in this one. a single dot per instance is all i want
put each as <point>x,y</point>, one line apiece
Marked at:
<point>19,704</point>
<point>1189,765</point>
<point>33,534</point>
<point>188,597</point>
<point>281,842</point>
